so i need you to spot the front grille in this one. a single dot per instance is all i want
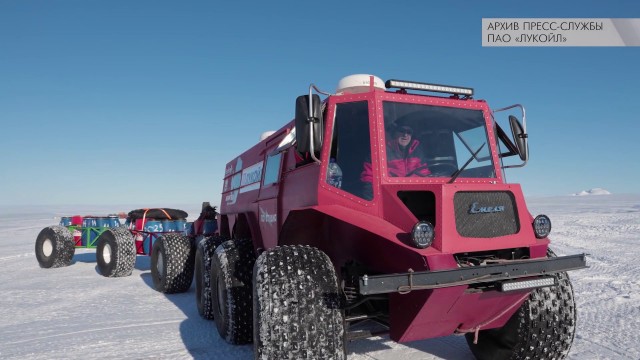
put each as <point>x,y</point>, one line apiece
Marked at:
<point>485,214</point>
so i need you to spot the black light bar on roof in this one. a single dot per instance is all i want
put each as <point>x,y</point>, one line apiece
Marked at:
<point>401,84</point>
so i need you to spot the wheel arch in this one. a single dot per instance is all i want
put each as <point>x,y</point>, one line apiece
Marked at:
<point>241,226</point>
<point>224,228</point>
<point>361,238</point>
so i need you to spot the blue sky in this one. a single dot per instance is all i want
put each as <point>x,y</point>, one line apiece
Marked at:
<point>143,102</point>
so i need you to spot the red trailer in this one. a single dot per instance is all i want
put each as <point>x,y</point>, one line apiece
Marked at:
<point>161,233</point>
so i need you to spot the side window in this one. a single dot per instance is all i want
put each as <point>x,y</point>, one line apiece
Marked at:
<point>351,147</point>
<point>272,170</point>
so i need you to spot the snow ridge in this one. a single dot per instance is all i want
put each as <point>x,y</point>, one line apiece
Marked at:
<point>594,191</point>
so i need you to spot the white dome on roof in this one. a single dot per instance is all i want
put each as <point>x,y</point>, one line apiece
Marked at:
<point>266,134</point>
<point>358,83</point>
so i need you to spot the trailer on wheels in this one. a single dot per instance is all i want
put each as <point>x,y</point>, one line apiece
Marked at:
<point>161,233</point>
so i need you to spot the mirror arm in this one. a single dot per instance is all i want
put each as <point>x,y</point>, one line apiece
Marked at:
<point>524,135</point>
<point>516,166</point>
<point>524,114</point>
<point>524,129</point>
<point>312,150</point>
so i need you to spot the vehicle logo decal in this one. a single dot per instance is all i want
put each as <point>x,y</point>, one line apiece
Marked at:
<point>251,177</point>
<point>265,217</point>
<point>476,209</point>
<point>231,198</point>
<point>252,174</point>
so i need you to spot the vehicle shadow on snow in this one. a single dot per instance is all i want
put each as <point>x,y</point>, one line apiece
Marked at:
<point>450,348</point>
<point>88,257</point>
<point>202,341</point>
<point>142,262</point>
<point>200,336</point>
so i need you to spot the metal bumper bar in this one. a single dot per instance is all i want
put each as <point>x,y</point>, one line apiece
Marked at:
<point>404,282</point>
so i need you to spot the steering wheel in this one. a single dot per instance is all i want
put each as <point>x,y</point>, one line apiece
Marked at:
<point>437,169</point>
<point>416,171</point>
<point>442,169</point>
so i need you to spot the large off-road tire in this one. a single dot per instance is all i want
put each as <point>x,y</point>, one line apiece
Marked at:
<point>543,327</point>
<point>206,247</point>
<point>116,252</point>
<point>172,262</point>
<point>55,247</point>
<point>231,291</point>
<point>296,306</point>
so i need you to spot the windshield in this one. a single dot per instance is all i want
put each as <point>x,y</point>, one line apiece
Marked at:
<point>435,141</point>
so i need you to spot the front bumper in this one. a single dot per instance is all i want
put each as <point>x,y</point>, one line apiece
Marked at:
<point>409,281</point>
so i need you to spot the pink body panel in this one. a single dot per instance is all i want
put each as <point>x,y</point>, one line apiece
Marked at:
<point>434,313</point>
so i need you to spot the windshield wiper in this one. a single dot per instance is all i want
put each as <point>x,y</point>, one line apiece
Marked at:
<point>473,156</point>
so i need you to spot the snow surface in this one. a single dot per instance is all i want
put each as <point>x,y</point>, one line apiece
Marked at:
<point>75,313</point>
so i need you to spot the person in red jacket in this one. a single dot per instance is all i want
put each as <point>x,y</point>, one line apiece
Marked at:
<point>404,159</point>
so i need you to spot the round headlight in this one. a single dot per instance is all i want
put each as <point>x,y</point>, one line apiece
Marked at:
<point>542,226</point>
<point>422,234</point>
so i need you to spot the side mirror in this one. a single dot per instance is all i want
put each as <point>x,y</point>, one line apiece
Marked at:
<point>309,127</point>
<point>520,137</point>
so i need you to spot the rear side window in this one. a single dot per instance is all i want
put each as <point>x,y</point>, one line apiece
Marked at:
<point>272,170</point>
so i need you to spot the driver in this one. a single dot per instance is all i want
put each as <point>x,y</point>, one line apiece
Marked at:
<point>404,158</point>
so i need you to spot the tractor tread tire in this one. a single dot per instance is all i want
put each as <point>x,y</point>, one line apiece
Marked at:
<point>62,247</point>
<point>231,290</point>
<point>206,246</point>
<point>542,328</point>
<point>122,252</point>
<point>297,306</point>
<point>177,255</point>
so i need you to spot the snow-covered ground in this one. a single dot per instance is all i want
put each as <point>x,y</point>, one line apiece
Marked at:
<point>75,313</point>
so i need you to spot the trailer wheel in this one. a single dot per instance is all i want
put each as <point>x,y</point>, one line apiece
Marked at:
<point>55,247</point>
<point>543,327</point>
<point>206,247</point>
<point>172,262</point>
<point>296,306</point>
<point>116,252</point>
<point>231,275</point>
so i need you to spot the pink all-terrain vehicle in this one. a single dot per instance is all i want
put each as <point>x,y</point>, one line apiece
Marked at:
<point>332,229</point>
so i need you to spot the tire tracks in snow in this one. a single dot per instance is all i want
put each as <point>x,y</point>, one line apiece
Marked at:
<point>13,257</point>
<point>614,351</point>
<point>85,331</point>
